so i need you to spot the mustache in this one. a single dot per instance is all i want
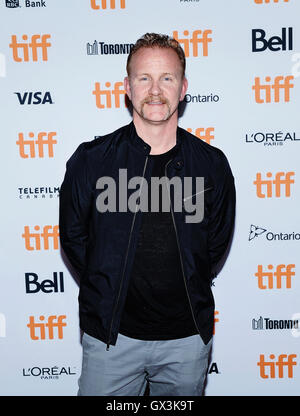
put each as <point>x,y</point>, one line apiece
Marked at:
<point>151,99</point>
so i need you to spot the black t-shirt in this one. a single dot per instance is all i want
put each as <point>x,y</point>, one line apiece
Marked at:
<point>156,306</point>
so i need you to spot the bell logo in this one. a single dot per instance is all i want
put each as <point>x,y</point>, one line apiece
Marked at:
<point>265,279</point>
<point>32,284</point>
<point>107,93</point>
<point>263,92</point>
<point>284,360</point>
<point>33,239</point>
<point>270,1</point>
<point>205,134</point>
<point>281,178</point>
<point>38,42</point>
<point>29,148</point>
<point>198,36</point>
<point>275,43</point>
<point>112,4</point>
<point>44,330</point>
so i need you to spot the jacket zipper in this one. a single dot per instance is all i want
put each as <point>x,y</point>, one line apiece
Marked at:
<point>179,250</point>
<point>126,257</point>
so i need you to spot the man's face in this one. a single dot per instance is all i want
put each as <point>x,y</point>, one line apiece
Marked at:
<point>155,85</point>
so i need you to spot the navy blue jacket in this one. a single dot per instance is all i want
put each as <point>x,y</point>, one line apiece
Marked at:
<point>101,246</point>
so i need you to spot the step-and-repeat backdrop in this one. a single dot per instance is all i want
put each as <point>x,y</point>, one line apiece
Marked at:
<point>62,65</point>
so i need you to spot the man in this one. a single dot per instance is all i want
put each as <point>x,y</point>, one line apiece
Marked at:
<point>146,305</point>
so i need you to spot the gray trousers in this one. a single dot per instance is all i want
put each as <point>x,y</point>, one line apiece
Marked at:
<point>172,368</point>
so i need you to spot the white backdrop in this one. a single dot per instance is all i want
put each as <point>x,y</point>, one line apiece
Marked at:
<point>53,55</point>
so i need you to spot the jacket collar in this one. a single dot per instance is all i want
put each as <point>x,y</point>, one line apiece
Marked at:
<point>144,147</point>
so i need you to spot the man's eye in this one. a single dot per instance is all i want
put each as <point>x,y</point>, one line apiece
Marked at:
<point>167,78</point>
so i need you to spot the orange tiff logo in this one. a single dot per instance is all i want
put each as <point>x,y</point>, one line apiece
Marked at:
<point>266,279</point>
<point>199,37</point>
<point>205,134</point>
<point>35,148</point>
<point>269,1</point>
<point>215,321</point>
<point>45,330</point>
<point>112,4</point>
<point>37,43</point>
<point>263,92</point>
<point>266,187</point>
<point>107,94</point>
<point>284,361</point>
<point>40,240</point>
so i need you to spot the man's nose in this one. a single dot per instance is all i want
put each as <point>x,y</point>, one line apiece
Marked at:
<point>154,88</point>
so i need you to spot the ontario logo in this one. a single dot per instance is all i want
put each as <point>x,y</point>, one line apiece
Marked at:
<point>257,231</point>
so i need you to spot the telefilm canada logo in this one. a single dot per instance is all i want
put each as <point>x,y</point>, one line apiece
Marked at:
<point>258,231</point>
<point>38,192</point>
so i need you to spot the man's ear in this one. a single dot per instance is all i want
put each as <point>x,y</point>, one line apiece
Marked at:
<point>127,87</point>
<point>183,88</point>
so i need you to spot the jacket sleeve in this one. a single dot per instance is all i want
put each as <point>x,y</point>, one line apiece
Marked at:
<point>74,209</point>
<point>222,215</point>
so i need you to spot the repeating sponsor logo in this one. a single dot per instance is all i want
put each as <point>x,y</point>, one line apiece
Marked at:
<point>206,134</point>
<point>32,148</point>
<point>296,331</point>
<point>256,231</point>
<point>272,139</point>
<point>275,43</point>
<point>274,275</point>
<point>263,92</point>
<point>199,40</point>
<point>13,4</point>
<point>29,48</point>
<point>40,240</point>
<point>50,329</point>
<point>102,48</point>
<point>210,98</point>
<point>32,284</point>
<point>270,1</point>
<point>274,324</point>
<point>216,319</point>
<point>34,97</point>
<point>104,96</point>
<point>281,367</point>
<point>38,192</point>
<point>268,188</point>
<point>2,325</point>
<point>49,373</point>
<point>104,4</point>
